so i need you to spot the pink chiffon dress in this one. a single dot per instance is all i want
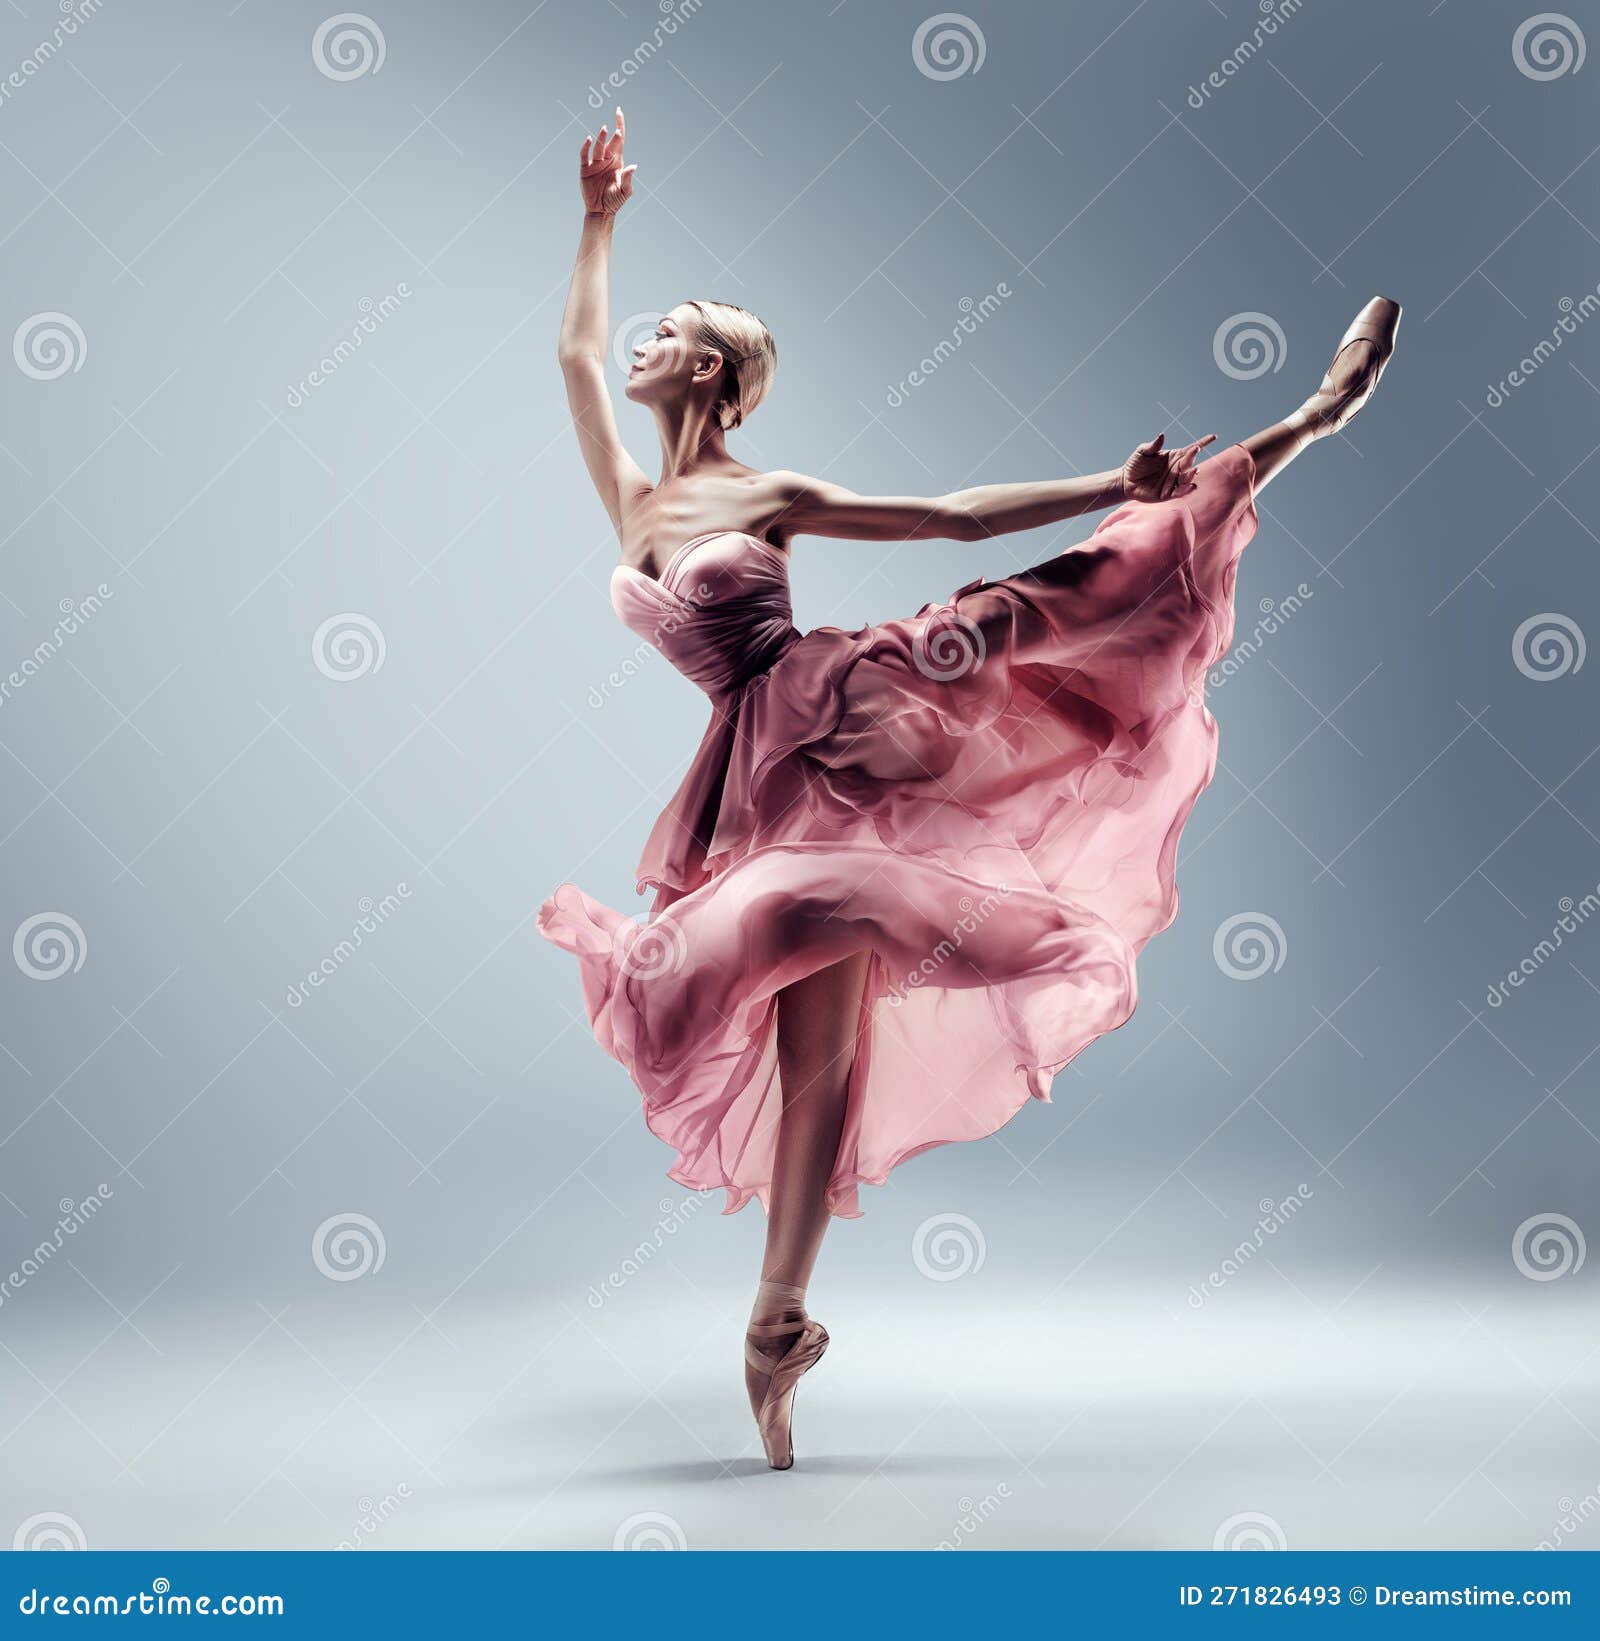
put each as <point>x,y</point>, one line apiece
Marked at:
<point>987,796</point>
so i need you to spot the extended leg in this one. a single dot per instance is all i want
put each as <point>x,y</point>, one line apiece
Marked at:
<point>1363,351</point>
<point>1272,449</point>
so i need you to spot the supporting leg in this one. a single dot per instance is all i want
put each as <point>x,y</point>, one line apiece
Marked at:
<point>817,1020</point>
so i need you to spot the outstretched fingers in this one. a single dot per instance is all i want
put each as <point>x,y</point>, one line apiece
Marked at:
<point>1185,461</point>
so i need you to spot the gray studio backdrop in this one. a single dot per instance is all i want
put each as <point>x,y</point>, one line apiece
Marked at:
<point>311,692</point>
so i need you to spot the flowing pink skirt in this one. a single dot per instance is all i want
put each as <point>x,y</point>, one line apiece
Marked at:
<point>987,797</point>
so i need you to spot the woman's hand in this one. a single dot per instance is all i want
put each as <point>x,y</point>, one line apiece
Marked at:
<point>1154,474</point>
<point>606,183</point>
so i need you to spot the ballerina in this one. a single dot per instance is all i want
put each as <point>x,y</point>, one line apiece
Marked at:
<point>908,873</point>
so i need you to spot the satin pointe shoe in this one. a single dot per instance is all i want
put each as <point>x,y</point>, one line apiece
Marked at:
<point>1347,387</point>
<point>808,1340</point>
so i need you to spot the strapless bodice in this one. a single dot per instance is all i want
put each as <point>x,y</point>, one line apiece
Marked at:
<point>720,612</point>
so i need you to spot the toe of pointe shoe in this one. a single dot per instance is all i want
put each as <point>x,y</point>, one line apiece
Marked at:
<point>1380,317</point>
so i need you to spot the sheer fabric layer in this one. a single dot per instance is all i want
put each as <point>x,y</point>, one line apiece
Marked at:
<point>988,795</point>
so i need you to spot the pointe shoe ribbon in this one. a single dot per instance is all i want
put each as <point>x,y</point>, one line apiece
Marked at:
<point>810,1340</point>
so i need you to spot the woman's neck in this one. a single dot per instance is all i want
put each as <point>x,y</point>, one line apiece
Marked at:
<point>689,445</point>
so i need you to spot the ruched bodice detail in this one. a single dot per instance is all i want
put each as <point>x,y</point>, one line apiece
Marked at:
<point>987,796</point>
<point>720,612</point>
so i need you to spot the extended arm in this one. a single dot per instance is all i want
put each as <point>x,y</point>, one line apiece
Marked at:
<point>815,507</point>
<point>582,349</point>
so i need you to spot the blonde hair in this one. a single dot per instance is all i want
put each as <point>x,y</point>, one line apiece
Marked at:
<point>749,357</point>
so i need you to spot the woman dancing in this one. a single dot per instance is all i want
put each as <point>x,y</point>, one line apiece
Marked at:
<point>910,868</point>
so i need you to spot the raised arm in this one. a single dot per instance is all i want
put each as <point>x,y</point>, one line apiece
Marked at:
<point>606,185</point>
<point>814,507</point>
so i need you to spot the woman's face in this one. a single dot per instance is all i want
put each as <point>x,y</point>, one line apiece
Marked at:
<point>664,363</point>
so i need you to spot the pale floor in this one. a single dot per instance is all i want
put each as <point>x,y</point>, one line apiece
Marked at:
<point>1442,1423</point>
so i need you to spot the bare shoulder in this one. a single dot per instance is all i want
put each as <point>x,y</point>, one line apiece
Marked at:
<point>782,499</point>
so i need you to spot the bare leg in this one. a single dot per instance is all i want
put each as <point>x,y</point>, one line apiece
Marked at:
<point>1272,449</point>
<point>817,1020</point>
